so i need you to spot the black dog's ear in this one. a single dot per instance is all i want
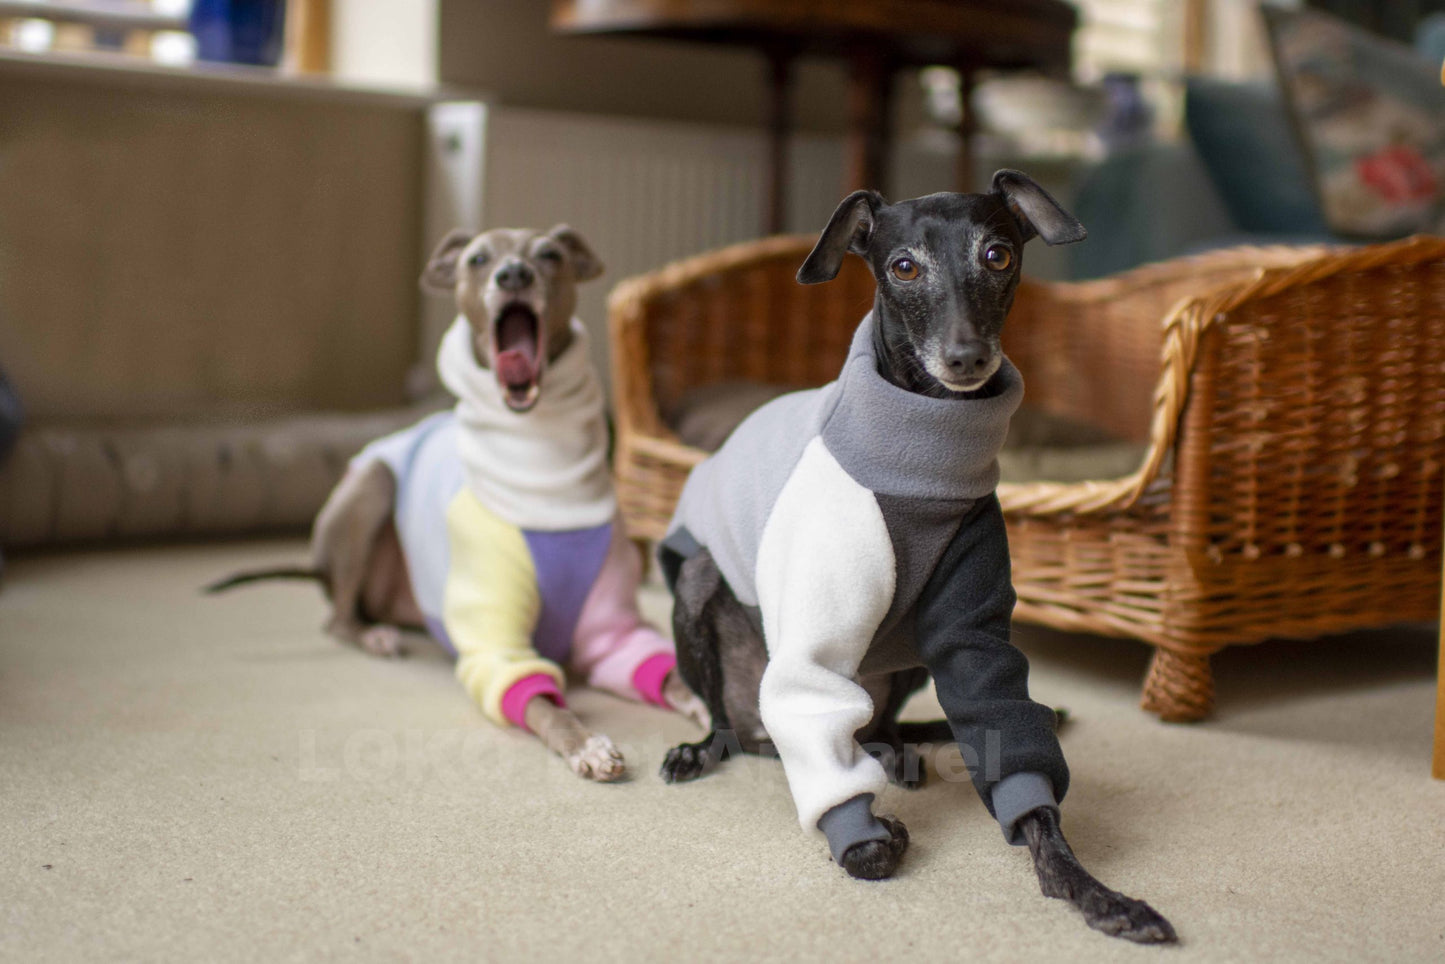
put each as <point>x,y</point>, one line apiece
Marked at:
<point>1035,209</point>
<point>440,274</point>
<point>585,264</point>
<point>849,229</point>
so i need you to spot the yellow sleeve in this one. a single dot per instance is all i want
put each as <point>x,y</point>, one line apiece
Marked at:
<point>491,605</point>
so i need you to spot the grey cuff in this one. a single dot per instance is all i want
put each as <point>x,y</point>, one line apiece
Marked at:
<point>851,822</point>
<point>1017,794</point>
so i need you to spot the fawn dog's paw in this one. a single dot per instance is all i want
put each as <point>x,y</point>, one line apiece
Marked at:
<point>597,759</point>
<point>382,640</point>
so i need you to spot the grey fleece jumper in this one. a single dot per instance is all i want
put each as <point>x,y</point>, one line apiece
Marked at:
<point>860,520</point>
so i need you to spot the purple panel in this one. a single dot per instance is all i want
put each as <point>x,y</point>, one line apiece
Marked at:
<point>567,565</point>
<point>440,634</point>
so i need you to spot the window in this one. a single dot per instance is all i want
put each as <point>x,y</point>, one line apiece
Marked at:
<point>156,30</point>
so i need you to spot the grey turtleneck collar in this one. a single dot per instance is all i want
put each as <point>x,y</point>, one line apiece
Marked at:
<point>901,444</point>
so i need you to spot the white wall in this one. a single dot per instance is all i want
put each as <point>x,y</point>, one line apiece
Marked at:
<point>1237,45</point>
<point>391,43</point>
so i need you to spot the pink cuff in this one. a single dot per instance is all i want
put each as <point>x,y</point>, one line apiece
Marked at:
<point>520,693</point>
<point>647,678</point>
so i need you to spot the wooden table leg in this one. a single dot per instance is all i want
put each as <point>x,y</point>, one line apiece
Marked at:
<point>1438,767</point>
<point>964,173</point>
<point>307,37</point>
<point>780,82</point>
<point>870,84</point>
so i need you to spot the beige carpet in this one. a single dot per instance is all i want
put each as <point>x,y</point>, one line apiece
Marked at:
<point>192,778</point>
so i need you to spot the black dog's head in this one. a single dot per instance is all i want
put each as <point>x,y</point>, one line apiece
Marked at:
<point>946,266</point>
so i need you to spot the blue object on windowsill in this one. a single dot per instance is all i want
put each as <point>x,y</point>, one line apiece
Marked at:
<point>238,31</point>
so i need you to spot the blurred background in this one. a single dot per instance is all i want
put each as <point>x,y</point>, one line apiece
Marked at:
<point>215,211</point>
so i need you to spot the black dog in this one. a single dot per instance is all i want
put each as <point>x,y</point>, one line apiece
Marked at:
<point>845,543</point>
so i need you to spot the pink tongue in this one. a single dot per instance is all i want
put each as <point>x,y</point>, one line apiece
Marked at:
<point>515,369</point>
<point>517,349</point>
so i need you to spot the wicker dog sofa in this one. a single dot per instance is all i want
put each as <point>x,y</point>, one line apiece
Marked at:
<point>1288,405</point>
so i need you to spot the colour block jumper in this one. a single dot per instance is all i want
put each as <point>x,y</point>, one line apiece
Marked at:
<point>860,520</point>
<point>507,522</point>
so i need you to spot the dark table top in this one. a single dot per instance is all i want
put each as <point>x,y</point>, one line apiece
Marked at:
<point>984,33</point>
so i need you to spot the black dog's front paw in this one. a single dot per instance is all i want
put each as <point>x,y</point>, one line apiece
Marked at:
<point>877,859</point>
<point>688,761</point>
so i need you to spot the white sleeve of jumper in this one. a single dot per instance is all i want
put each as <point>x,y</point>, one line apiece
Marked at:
<point>825,580</point>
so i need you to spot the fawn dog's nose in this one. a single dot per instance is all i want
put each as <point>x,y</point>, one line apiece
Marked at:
<point>514,275</point>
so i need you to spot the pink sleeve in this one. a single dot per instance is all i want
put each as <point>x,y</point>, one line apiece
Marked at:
<point>514,701</point>
<point>648,678</point>
<point>613,648</point>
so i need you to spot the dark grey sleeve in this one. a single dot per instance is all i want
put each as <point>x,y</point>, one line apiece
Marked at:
<point>849,823</point>
<point>983,680</point>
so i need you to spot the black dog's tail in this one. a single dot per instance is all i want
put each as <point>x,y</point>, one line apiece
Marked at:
<point>258,575</point>
<point>938,731</point>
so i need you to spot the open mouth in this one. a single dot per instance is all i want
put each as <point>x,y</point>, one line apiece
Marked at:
<point>955,384</point>
<point>517,356</point>
<point>968,385</point>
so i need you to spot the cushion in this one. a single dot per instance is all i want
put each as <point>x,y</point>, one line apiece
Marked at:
<point>1243,135</point>
<point>1046,447</point>
<point>1041,446</point>
<point>71,483</point>
<point>1145,204</point>
<point>706,416</point>
<point>1370,116</point>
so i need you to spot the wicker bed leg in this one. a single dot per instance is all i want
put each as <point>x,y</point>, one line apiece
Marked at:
<point>1179,687</point>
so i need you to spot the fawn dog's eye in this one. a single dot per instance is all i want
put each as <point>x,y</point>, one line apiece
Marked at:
<point>905,269</point>
<point>997,257</point>
<point>479,259</point>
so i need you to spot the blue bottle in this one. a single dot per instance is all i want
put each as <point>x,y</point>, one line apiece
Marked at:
<point>238,31</point>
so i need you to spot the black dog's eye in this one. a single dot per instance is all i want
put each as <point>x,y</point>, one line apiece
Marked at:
<point>550,254</point>
<point>478,259</point>
<point>905,269</point>
<point>997,257</point>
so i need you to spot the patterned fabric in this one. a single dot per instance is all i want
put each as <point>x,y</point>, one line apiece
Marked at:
<point>1370,115</point>
<point>514,604</point>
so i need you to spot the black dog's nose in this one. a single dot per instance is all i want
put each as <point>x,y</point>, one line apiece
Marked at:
<point>966,359</point>
<point>514,275</point>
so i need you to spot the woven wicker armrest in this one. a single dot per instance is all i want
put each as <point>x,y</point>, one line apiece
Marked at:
<point>1308,409</point>
<point>1101,351</point>
<point>1292,484</point>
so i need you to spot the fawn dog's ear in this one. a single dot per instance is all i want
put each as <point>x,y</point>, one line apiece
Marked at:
<point>1035,209</point>
<point>849,229</point>
<point>585,264</point>
<point>440,274</point>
